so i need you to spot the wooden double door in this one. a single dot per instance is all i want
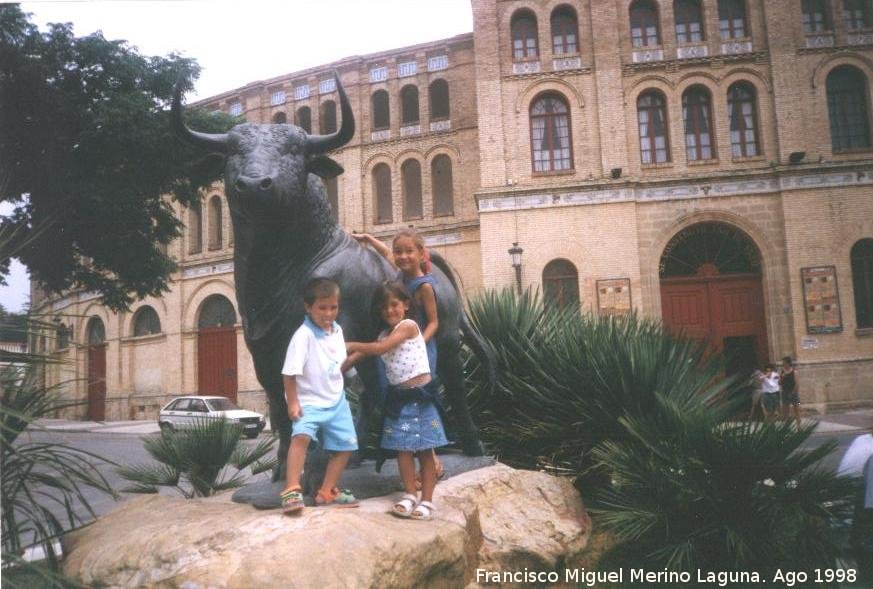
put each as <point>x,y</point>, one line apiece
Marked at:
<point>216,361</point>
<point>727,312</point>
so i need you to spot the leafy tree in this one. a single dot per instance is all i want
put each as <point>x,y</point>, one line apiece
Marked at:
<point>88,157</point>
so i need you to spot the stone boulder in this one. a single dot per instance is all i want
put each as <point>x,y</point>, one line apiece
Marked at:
<point>495,518</point>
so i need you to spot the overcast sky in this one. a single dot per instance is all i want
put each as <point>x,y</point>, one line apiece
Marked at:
<point>244,41</point>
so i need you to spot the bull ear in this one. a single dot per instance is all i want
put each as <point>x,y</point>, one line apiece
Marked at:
<point>324,167</point>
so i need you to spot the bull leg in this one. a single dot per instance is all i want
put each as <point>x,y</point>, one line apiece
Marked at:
<point>451,373</point>
<point>371,377</point>
<point>279,422</point>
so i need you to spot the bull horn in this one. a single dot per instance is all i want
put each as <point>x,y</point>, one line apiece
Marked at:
<point>211,142</point>
<point>323,143</point>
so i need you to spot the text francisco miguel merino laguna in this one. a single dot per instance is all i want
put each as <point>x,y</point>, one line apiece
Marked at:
<point>591,578</point>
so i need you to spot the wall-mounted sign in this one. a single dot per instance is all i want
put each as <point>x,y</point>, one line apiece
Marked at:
<point>821,299</point>
<point>614,296</point>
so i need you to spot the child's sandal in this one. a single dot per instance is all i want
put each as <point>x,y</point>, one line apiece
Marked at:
<point>404,507</point>
<point>336,498</point>
<point>292,500</point>
<point>423,511</point>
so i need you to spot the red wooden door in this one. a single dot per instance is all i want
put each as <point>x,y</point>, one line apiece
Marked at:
<point>715,308</point>
<point>97,382</point>
<point>216,361</point>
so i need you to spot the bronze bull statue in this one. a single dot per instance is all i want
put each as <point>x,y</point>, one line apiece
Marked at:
<point>284,236</point>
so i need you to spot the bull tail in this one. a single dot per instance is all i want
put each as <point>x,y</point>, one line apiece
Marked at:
<point>471,336</point>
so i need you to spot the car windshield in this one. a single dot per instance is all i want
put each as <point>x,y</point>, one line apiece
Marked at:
<point>222,405</point>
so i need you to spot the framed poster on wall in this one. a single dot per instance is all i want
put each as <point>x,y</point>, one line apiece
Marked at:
<point>821,299</point>
<point>614,296</point>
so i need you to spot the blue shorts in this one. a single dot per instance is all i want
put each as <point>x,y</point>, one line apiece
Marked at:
<point>336,425</point>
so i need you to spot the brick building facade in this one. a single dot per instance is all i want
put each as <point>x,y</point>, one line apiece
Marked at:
<point>704,162</point>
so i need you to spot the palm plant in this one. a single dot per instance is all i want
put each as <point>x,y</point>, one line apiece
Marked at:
<point>43,483</point>
<point>193,460</point>
<point>567,379</point>
<point>691,490</point>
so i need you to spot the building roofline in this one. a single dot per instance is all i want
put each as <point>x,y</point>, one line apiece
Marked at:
<point>341,64</point>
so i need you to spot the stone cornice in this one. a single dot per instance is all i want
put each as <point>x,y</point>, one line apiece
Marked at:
<point>693,189</point>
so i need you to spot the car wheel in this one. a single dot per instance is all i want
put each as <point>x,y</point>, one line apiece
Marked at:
<point>167,427</point>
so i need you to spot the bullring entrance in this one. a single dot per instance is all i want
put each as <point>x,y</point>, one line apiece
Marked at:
<point>711,290</point>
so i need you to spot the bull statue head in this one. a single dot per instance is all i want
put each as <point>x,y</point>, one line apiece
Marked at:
<point>268,165</point>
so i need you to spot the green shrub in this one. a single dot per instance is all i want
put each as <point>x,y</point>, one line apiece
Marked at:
<point>643,422</point>
<point>193,459</point>
<point>566,379</point>
<point>43,484</point>
<point>691,490</point>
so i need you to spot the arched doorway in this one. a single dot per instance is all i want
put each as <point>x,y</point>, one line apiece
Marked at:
<point>711,290</point>
<point>96,334</point>
<point>216,348</point>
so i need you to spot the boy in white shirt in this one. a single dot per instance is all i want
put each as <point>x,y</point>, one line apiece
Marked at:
<point>316,399</point>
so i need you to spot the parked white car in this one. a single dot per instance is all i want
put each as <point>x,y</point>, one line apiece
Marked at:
<point>184,411</point>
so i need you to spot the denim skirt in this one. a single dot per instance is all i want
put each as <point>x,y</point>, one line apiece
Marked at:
<point>418,427</point>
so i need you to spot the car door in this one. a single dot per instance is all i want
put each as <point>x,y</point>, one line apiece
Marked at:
<point>199,411</point>
<point>180,415</point>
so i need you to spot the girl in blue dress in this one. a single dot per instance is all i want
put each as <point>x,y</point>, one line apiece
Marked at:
<point>412,424</point>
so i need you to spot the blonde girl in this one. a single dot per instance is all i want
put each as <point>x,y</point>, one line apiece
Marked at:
<point>412,424</point>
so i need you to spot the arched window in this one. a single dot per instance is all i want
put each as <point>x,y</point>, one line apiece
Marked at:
<point>697,115</point>
<point>524,36</point>
<point>652,115</point>
<point>550,134</point>
<point>215,220</point>
<point>743,113</point>
<point>857,14</point>
<point>381,112</point>
<point>330,186</point>
<point>327,117</point>
<point>564,31</point>
<point>438,92</point>
<point>410,173</point>
<point>862,282</point>
<point>195,228</point>
<point>409,105</point>
<point>96,331</point>
<point>816,16</point>
<point>279,118</point>
<point>303,118</point>
<point>732,19</point>
<point>709,249</point>
<point>688,16</point>
<point>847,108</point>
<point>443,190</point>
<point>561,283</point>
<point>146,322</point>
<point>216,311</point>
<point>645,31</point>
<point>382,190</point>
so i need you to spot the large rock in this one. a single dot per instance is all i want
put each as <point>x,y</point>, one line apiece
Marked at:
<point>495,518</point>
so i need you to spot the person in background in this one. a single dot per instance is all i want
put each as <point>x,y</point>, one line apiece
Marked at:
<point>770,392</point>
<point>790,393</point>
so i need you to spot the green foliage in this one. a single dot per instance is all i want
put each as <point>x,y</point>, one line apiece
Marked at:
<point>691,490</point>
<point>88,155</point>
<point>566,379</point>
<point>43,483</point>
<point>193,460</point>
<point>644,422</point>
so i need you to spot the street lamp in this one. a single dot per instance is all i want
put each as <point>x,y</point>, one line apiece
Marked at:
<point>515,253</point>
